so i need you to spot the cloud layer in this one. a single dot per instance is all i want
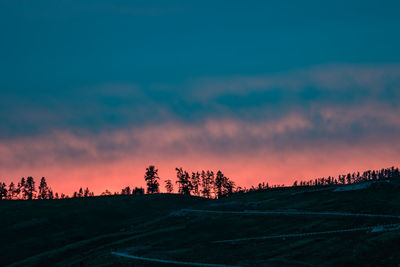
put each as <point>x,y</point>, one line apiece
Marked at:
<point>312,122</point>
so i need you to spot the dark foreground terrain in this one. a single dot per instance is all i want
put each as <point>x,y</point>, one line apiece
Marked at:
<point>307,226</point>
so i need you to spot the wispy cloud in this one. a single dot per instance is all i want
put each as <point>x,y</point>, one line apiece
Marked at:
<point>371,79</point>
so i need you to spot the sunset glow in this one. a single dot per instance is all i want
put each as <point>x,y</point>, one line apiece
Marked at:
<point>92,94</point>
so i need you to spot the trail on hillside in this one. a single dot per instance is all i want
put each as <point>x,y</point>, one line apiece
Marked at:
<point>79,244</point>
<point>266,212</point>
<point>125,255</point>
<point>379,228</point>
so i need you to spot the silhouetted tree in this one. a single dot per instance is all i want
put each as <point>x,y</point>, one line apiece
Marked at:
<point>87,192</point>
<point>204,183</point>
<point>229,186</point>
<point>126,191</point>
<point>106,193</point>
<point>224,186</point>
<point>151,177</point>
<point>43,189</point>
<point>351,178</point>
<point>219,182</point>
<point>21,188</point>
<point>50,194</point>
<point>12,191</point>
<point>80,193</point>
<point>342,179</point>
<point>183,179</point>
<point>3,191</point>
<point>195,183</point>
<point>207,179</point>
<point>348,178</point>
<point>138,191</point>
<point>30,188</point>
<point>169,186</point>
<point>239,189</point>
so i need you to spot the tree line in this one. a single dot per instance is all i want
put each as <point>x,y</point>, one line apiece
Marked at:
<point>205,183</point>
<point>352,178</point>
<point>26,189</point>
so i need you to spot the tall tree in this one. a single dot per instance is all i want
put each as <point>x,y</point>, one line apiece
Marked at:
<point>195,183</point>
<point>151,177</point>
<point>43,189</point>
<point>229,186</point>
<point>224,186</point>
<point>183,179</point>
<point>169,186</point>
<point>21,188</point>
<point>30,188</point>
<point>219,184</point>
<point>207,179</point>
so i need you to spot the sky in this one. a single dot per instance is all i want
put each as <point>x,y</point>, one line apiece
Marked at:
<point>92,92</point>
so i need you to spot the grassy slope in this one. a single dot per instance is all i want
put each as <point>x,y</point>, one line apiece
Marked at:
<point>68,232</point>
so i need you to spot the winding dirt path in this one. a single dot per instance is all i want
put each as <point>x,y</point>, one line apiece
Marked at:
<point>314,213</point>
<point>125,236</point>
<point>380,228</point>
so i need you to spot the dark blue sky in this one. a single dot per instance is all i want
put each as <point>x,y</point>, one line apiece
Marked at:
<point>289,74</point>
<point>63,44</point>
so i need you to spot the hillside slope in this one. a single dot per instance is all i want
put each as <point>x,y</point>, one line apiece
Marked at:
<point>286,226</point>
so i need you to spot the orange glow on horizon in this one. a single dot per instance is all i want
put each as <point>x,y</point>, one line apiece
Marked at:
<point>244,171</point>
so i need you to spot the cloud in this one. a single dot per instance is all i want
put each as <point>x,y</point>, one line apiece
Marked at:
<point>302,123</point>
<point>280,150</point>
<point>342,125</point>
<point>371,79</point>
<point>165,140</point>
<point>114,106</point>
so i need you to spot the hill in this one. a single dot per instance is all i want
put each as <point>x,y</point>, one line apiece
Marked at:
<point>331,225</point>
